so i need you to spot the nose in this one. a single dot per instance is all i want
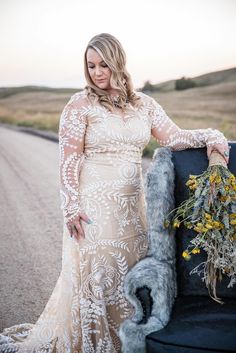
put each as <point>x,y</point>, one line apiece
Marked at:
<point>98,71</point>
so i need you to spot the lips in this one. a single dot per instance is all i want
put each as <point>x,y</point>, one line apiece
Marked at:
<point>100,81</point>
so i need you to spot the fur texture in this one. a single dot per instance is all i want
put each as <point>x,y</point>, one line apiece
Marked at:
<point>157,270</point>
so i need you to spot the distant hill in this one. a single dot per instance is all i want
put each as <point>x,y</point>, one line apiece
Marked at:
<point>9,91</point>
<point>211,104</point>
<point>208,79</point>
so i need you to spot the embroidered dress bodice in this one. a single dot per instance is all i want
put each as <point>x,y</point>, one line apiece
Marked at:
<point>112,137</point>
<point>100,174</point>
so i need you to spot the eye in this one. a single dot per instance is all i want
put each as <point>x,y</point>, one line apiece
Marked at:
<point>90,67</point>
<point>104,65</point>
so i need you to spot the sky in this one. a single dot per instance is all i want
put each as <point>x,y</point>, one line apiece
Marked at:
<point>43,41</point>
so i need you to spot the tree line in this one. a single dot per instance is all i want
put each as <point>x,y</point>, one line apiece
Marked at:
<point>180,84</point>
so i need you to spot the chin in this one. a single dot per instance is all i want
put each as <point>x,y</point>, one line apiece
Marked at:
<point>102,85</point>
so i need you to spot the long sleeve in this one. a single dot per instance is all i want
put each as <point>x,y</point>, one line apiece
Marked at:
<point>72,128</point>
<point>170,135</point>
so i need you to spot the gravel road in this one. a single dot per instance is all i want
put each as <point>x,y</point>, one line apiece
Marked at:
<point>30,222</point>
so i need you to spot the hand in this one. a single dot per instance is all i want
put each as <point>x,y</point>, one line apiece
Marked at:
<point>222,148</point>
<point>74,225</point>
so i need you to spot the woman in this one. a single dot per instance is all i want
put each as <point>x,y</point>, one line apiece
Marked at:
<point>103,131</point>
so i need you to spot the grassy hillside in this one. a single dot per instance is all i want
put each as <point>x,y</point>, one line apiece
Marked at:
<point>38,109</point>
<point>208,79</point>
<point>212,105</point>
<point>9,91</point>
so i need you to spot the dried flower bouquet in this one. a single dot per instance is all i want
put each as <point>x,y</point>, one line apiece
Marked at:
<point>210,211</point>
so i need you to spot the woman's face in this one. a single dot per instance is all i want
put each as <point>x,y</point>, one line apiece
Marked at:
<point>98,70</point>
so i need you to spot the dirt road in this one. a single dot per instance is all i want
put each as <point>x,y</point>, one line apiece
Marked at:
<point>30,225</point>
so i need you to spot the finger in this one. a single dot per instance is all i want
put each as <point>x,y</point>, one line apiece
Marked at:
<point>80,230</point>
<point>209,151</point>
<point>226,159</point>
<point>222,149</point>
<point>69,227</point>
<point>75,231</point>
<point>85,218</point>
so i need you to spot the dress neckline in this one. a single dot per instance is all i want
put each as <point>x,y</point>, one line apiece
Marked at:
<point>123,117</point>
<point>116,113</point>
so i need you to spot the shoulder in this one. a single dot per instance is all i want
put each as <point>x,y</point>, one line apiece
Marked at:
<point>76,106</point>
<point>148,101</point>
<point>78,99</point>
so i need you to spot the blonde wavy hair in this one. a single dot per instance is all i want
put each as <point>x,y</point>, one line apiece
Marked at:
<point>113,54</point>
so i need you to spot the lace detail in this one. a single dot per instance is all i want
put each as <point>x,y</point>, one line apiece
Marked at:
<point>170,135</point>
<point>100,174</point>
<point>72,129</point>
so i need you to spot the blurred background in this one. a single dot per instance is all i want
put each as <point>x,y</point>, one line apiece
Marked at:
<point>182,52</point>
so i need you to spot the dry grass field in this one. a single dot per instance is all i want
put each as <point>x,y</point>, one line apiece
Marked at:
<point>200,107</point>
<point>38,109</point>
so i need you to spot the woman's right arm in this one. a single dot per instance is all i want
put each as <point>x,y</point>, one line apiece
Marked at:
<point>72,128</point>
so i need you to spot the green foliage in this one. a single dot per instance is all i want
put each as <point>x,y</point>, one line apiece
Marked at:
<point>184,83</point>
<point>149,149</point>
<point>148,87</point>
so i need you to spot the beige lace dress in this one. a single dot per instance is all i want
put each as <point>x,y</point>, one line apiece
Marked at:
<point>100,174</point>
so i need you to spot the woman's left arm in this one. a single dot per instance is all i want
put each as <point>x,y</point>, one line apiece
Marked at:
<point>170,135</point>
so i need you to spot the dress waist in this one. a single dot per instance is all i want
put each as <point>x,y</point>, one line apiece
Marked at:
<point>111,157</point>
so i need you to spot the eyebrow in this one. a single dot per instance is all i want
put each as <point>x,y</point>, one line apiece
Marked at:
<point>90,62</point>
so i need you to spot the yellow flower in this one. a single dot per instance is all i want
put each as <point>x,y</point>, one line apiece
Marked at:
<point>218,179</point>
<point>197,229</point>
<point>212,178</point>
<point>232,215</point>
<point>223,198</point>
<point>207,215</point>
<point>221,225</point>
<point>196,251</point>
<point>199,225</point>
<point>176,223</point>
<point>233,237</point>
<point>208,226</point>
<point>226,187</point>
<point>191,183</point>
<point>193,187</point>
<point>186,255</point>
<point>233,222</point>
<point>217,225</point>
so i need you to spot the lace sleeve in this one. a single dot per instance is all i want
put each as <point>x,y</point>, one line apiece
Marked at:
<point>72,128</point>
<point>170,135</point>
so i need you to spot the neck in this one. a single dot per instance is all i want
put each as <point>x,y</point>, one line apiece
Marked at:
<point>113,92</point>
